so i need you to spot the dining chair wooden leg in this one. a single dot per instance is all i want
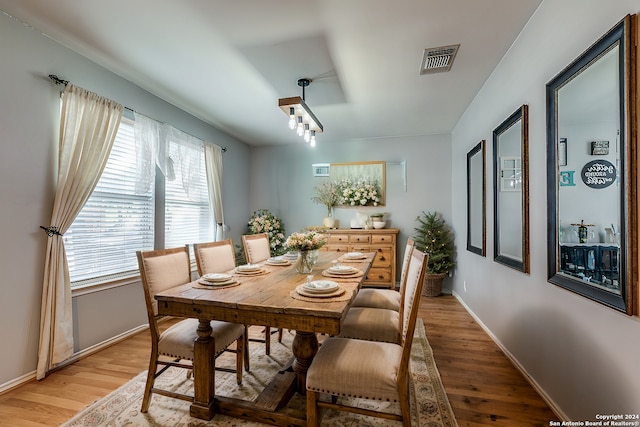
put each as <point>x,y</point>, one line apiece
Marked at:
<point>246,349</point>
<point>151,374</point>
<point>240,350</point>
<point>267,340</point>
<point>312,408</point>
<point>405,408</point>
<point>280,335</point>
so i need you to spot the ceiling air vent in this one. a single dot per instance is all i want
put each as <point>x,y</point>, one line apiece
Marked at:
<point>438,59</point>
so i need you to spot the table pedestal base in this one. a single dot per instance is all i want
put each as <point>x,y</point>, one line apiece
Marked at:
<point>275,395</point>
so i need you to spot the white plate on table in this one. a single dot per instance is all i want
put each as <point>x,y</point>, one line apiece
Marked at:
<point>248,268</point>
<point>278,260</point>
<point>291,255</point>
<point>223,283</point>
<point>216,277</point>
<point>354,255</point>
<point>342,269</point>
<point>320,286</point>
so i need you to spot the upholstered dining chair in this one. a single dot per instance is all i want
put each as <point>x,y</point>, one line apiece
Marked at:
<point>160,270</point>
<point>385,298</point>
<point>345,367</point>
<point>379,324</point>
<point>219,257</point>
<point>214,257</point>
<point>258,249</point>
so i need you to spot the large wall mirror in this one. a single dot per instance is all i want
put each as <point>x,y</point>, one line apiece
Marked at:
<point>476,200</point>
<point>591,174</point>
<point>511,191</point>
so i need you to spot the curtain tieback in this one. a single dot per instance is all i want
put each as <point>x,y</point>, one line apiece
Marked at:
<point>51,230</point>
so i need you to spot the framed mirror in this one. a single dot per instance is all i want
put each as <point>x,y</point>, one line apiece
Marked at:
<point>369,172</point>
<point>591,176</point>
<point>511,191</point>
<point>476,200</point>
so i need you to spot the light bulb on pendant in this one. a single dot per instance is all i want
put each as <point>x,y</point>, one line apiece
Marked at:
<point>307,134</point>
<point>300,129</point>
<point>292,118</point>
<point>313,138</point>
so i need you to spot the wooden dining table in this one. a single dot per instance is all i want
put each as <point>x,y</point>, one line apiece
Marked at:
<point>268,299</point>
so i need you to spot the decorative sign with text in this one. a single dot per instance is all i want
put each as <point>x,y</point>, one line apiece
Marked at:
<point>598,174</point>
<point>599,148</point>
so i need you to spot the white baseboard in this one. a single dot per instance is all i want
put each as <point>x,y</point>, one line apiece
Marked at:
<point>555,408</point>
<point>76,356</point>
<point>17,382</point>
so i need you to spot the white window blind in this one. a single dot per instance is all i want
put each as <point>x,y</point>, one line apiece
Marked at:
<point>115,222</point>
<point>187,215</point>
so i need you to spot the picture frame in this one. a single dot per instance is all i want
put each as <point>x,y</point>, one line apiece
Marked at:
<point>562,152</point>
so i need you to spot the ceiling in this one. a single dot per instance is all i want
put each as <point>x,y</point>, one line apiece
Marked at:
<point>228,62</point>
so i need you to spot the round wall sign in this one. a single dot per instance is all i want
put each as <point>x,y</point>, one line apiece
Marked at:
<point>598,174</point>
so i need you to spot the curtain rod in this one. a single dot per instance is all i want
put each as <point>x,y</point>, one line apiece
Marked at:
<point>59,81</point>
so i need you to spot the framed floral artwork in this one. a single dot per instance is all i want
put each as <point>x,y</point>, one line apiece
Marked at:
<point>360,183</point>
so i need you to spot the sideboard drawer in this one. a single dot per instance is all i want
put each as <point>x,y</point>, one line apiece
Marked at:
<point>378,275</point>
<point>360,238</point>
<point>383,238</point>
<point>383,258</point>
<point>338,238</point>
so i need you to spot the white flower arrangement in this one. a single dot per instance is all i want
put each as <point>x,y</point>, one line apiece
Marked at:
<point>305,241</point>
<point>359,193</point>
<point>263,221</point>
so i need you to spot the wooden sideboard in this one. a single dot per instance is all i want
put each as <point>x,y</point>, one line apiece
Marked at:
<point>381,241</point>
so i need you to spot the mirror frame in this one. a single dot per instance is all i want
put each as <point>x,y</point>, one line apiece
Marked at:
<point>625,302</point>
<point>478,150</point>
<point>354,170</point>
<point>522,115</point>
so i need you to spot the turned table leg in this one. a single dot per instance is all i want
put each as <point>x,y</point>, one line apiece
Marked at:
<point>203,373</point>
<point>304,347</point>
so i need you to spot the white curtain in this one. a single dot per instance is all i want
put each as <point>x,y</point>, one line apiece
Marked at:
<point>88,126</point>
<point>185,154</point>
<point>154,148</point>
<point>147,134</point>
<point>213,162</point>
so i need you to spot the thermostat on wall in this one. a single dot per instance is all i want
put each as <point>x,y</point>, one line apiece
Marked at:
<point>320,169</point>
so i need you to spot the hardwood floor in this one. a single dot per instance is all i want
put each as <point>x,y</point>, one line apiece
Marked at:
<point>484,388</point>
<point>482,384</point>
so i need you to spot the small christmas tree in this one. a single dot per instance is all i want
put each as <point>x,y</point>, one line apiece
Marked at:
<point>435,237</point>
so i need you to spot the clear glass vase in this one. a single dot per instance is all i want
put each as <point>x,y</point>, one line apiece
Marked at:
<point>306,261</point>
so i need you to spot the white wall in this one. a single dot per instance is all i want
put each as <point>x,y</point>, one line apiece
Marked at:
<point>29,112</point>
<point>282,180</point>
<point>583,355</point>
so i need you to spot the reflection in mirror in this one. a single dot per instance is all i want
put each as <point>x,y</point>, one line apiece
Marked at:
<point>476,200</point>
<point>373,172</point>
<point>590,173</point>
<point>511,191</point>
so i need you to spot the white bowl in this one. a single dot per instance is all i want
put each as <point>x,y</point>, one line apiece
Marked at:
<point>379,224</point>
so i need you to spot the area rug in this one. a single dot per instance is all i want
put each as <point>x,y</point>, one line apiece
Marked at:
<point>429,404</point>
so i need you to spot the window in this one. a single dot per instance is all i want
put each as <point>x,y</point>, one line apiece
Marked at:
<point>120,216</point>
<point>186,210</point>
<point>511,174</point>
<point>116,221</point>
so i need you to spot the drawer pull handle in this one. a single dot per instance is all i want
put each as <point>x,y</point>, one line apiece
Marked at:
<point>382,258</point>
<point>380,277</point>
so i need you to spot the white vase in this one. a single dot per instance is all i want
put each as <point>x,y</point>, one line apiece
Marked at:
<point>328,222</point>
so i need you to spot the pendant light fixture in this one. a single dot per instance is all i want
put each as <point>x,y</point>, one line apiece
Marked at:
<point>301,118</point>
